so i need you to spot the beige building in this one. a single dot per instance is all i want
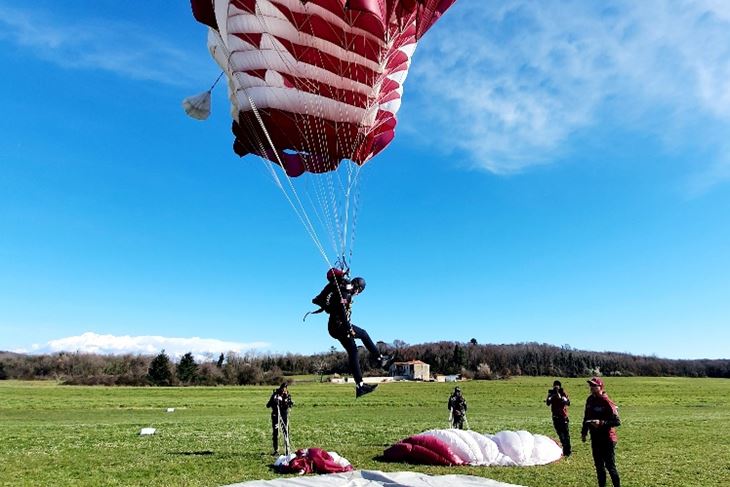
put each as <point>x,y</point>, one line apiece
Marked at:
<point>413,370</point>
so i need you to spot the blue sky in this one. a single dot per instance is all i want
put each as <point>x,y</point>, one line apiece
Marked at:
<point>561,174</point>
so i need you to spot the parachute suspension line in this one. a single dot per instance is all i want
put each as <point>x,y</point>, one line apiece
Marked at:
<point>332,188</point>
<point>349,143</point>
<point>343,139</point>
<point>322,186</point>
<point>355,213</point>
<point>299,208</point>
<point>301,211</point>
<point>327,209</point>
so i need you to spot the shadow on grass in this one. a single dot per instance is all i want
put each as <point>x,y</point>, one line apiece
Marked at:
<point>193,453</point>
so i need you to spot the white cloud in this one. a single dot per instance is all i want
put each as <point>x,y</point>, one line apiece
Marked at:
<point>513,81</point>
<point>175,347</point>
<point>100,44</point>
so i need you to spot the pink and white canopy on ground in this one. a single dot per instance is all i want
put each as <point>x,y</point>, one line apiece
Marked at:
<point>314,82</point>
<point>460,447</point>
<point>312,460</point>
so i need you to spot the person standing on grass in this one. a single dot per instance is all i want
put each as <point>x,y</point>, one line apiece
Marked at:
<point>280,402</point>
<point>558,401</point>
<point>457,409</point>
<point>601,419</point>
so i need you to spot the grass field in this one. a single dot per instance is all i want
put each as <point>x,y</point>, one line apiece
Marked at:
<point>675,432</point>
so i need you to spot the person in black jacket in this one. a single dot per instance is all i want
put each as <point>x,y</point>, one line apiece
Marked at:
<point>559,401</point>
<point>457,408</point>
<point>336,300</point>
<point>280,402</point>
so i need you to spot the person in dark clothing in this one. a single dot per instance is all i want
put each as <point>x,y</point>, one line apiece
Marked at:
<point>558,401</point>
<point>280,402</point>
<point>457,408</point>
<point>601,419</point>
<point>336,300</point>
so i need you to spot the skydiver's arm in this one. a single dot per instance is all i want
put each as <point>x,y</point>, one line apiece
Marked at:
<point>584,428</point>
<point>321,298</point>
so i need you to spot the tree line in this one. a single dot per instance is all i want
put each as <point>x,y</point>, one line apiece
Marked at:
<point>470,360</point>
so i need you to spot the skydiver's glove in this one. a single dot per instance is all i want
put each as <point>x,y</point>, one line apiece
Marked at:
<point>351,332</point>
<point>583,438</point>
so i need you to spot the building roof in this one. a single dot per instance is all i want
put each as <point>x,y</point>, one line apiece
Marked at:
<point>411,362</point>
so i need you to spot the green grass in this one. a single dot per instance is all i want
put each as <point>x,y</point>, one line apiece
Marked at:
<point>675,432</point>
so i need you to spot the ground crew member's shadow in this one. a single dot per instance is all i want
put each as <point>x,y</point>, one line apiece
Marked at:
<point>201,453</point>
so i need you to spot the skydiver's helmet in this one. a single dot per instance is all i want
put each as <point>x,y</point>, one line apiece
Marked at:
<point>335,273</point>
<point>358,285</point>
<point>457,391</point>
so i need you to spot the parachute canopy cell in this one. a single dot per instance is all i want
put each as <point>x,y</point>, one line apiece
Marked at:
<point>315,82</point>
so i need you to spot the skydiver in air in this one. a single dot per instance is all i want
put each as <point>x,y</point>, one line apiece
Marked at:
<point>336,300</point>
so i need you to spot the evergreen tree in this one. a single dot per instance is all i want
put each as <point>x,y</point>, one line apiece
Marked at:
<point>159,372</point>
<point>219,364</point>
<point>187,369</point>
<point>458,359</point>
<point>3,374</point>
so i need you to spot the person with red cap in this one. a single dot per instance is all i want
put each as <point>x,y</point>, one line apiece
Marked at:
<point>601,419</point>
<point>336,300</point>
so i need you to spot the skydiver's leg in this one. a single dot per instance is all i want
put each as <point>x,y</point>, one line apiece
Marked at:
<point>366,340</point>
<point>351,348</point>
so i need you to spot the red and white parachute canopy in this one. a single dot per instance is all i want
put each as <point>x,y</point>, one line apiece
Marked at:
<point>313,83</point>
<point>323,77</point>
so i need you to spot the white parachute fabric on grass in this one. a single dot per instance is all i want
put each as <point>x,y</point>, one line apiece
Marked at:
<point>375,478</point>
<point>517,445</point>
<point>526,449</point>
<point>506,448</point>
<point>490,450</point>
<point>466,449</point>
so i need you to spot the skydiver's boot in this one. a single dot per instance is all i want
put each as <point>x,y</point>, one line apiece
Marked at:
<point>363,389</point>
